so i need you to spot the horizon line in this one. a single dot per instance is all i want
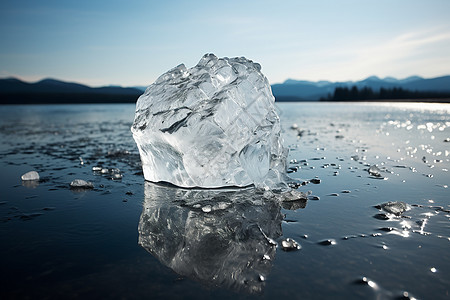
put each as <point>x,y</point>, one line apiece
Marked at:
<point>146,85</point>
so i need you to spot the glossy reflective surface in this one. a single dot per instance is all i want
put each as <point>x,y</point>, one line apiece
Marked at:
<point>126,238</point>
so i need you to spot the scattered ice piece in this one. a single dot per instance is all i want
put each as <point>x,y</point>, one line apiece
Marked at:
<point>375,171</point>
<point>315,180</point>
<point>433,270</point>
<point>328,242</point>
<point>104,171</point>
<point>81,184</point>
<point>96,168</point>
<point>262,278</point>
<point>367,281</point>
<point>289,244</point>
<point>396,208</point>
<point>387,229</point>
<point>406,295</point>
<point>32,175</point>
<point>212,125</point>
<point>266,257</point>
<point>116,176</point>
<point>207,208</point>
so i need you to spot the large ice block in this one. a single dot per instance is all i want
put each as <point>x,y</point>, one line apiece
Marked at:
<point>212,125</point>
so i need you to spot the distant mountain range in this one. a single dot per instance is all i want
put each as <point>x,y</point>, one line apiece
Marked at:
<point>298,90</point>
<point>15,91</point>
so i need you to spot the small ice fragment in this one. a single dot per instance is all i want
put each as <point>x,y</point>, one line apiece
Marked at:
<point>374,171</point>
<point>328,242</point>
<point>206,208</point>
<point>262,278</point>
<point>266,257</point>
<point>104,171</point>
<point>396,208</point>
<point>433,270</point>
<point>406,295</point>
<point>81,184</point>
<point>315,180</point>
<point>116,176</point>
<point>367,281</point>
<point>81,160</point>
<point>289,244</point>
<point>96,169</point>
<point>32,175</point>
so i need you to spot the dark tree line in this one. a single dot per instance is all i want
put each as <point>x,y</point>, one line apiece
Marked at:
<point>366,93</point>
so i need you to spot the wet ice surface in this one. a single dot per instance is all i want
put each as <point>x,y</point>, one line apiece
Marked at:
<point>361,235</point>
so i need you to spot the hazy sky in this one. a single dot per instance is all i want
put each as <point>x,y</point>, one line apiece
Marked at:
<point>133,42</point>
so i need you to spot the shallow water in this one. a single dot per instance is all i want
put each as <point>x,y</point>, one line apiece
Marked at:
<point>130,239</point>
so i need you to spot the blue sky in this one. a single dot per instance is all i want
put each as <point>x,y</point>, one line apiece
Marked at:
<point>133,42</point>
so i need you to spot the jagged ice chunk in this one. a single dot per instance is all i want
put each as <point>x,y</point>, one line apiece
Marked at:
<point>212,125</point>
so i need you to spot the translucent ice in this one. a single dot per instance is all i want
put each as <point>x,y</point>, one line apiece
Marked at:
<point>32,175</point>
<point>374,171</point>
<point>289,244</point>
<point>396,207</point>
<point>212,125</point>
<point>81,184</point>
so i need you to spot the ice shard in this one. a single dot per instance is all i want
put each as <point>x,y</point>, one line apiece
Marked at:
<point>212,125</point>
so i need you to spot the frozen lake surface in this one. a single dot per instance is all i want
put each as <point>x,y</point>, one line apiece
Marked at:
<point>127,238</point>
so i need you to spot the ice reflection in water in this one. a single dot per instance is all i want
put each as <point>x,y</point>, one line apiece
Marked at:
<point>230,245</point>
